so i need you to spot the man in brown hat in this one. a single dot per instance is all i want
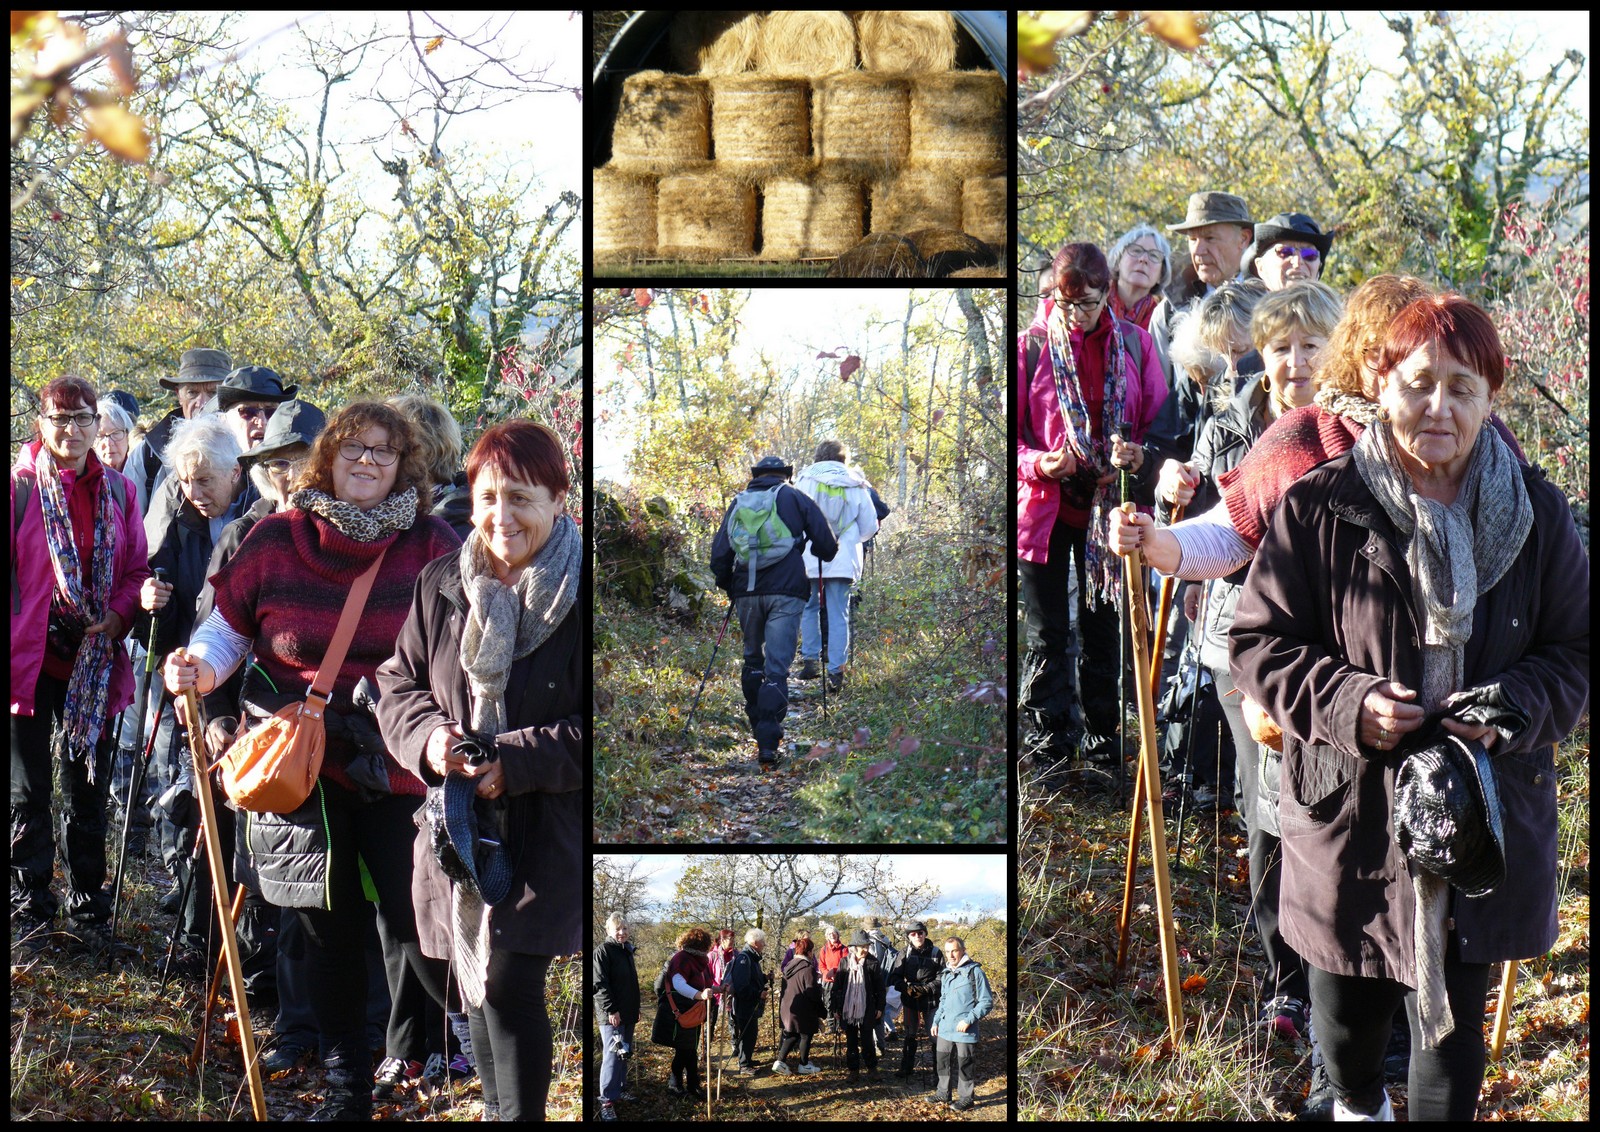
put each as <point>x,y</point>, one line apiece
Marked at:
<point>1219,228</point>
<point>200,371</point>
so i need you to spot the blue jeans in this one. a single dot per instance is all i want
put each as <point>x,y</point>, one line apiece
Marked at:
<point>770,623</point>
<point>613,1069</point>
<point>838,624</point>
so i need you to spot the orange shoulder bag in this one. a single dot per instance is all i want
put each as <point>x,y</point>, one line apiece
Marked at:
<point>273,767</point>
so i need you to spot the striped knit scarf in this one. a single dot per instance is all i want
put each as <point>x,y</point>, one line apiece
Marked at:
<point>1104,568</point>
<point>88,688</point>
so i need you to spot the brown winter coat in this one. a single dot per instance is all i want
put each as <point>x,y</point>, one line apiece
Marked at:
<point>1328,613</point>
<point>423,687</point>
<point>800,1009</point>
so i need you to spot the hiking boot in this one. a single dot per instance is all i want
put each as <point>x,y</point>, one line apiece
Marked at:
<point>961,1104</point>
<point>1385,1111</point>
<point>852,1076</point>
<point>767,757</point>
<point>809,668</point>
<point>1286,1017</point>
<point>348,1096</point>
<point>183,963</point>
<point>392,1076</point>
<point>435,1073</point>
<point>836,681</point>
<point>174,895</point>
<point>285,1055</point>
<point>747,1070</point>
<point>1205,799</point>
<point>461,1068</point>
<point>608,1111</point>
<point>674,1086</point>
<point>1319,1101</point>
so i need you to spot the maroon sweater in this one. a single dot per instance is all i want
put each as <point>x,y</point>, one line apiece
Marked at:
<point>286,586</point>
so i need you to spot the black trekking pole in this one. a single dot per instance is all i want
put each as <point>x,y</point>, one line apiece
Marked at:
<point>183,900</point>
<point>1124,429</point>
<point>1194,720</point>
<point>695,706</point>
<point>822,621</point>
<point>136,776</point>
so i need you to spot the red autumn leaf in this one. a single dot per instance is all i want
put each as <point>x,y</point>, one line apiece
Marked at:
<point>862,737</point>
<point>877,770</point>
<point>938,415</point>
<point>641,295</point>
<point>1194,984</point>
<point>828,354</point>
<point>820,751</point>
<point>909,744</point>
<point>848,367</point>
<point>705,304</point>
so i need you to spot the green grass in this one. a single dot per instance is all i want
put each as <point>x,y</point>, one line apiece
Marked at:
<point>1092,1045</point>
<point>920,635</point>
<point>88,1043</point>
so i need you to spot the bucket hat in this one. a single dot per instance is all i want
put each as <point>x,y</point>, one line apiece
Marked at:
<point>1447,818</point>
<point>252,383</point>
<point>860,939</point>
<point>198,365</point>
<point>772,466</point>
<point>294,422</point>
<point>464,834</point>
<point>1214,208</point>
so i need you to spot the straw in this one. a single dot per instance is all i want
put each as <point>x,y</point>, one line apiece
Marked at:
<point>704,217</point>
<point>714,43</point>
<point>913,43</point>
<point>806,45</point>
<point>663,121</point>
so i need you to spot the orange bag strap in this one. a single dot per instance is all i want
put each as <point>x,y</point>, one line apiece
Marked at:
<point>345,632</point>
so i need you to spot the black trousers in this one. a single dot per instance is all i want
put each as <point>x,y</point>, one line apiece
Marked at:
<point>83,815</point>
<point>1353,1019</point>
<point>685,1056</point>
<point>800,1044</point>
<point>918,1017</point>
<point>745,1031</point>
<point>1058,665</point>
<point>858,1045</point>
<point>511,1036</point>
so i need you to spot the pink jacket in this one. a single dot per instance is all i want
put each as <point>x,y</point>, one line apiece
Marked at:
<point>30,610</point>
<point>1038,497</point>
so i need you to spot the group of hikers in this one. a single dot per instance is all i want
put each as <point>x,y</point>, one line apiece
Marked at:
<point>1377,588</point>
<point>863,988</point>
<point>254,544</point>
<point>788,557</point>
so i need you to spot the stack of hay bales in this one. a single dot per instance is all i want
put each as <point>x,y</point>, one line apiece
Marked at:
<point>792,135</point>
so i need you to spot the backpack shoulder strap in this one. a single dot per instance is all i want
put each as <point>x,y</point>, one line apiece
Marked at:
<point>1130,339</point>
<point>25,484</point>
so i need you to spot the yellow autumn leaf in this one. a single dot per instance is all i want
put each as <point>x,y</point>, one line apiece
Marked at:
<point>1178,29</point>
<point>124,134</point>
<point>432,45</point>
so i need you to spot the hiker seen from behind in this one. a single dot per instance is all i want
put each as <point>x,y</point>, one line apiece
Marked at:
<point>845,499</point>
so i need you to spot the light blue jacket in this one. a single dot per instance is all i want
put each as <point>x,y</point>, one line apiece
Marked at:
<point>963,997</point>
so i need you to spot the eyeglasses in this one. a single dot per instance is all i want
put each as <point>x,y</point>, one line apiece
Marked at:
<point>62,420</point>
<point>1149,255</point>
<point>382,454</point>
<point>1082,306</point>
<point>255,412</point>
<point>1310,255</point>
<point>119,434</point>
<point>281,465</point>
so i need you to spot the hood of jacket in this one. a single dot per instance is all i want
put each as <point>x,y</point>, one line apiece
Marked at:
<point>834,474</point>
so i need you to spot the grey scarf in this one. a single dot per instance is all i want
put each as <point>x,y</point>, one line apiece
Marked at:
<point>855,994</point>
<point>506,623</point>
<point>396,513</point>
<point>1455,553</point>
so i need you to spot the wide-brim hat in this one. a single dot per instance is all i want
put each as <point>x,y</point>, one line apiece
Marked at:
<point>293,422</point>
<point>198,365</point>
<point>1447,818</point>
<point>253,383</point>
<point>1291,227</point>
<point>1214,208</point>
<point>860,939</point>
<point>771,466</point>
<point>916,926</point>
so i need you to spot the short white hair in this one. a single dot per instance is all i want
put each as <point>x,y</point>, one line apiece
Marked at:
<point>115,415</point>
<point>206,442</point>
<point>755,935</point>
<point>613,920</point>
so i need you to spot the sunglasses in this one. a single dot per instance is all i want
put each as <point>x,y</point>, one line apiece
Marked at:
<point>1310,255</point>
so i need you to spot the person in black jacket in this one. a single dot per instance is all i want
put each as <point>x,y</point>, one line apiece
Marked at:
<point>917,979</point>
<point>861,1006</point>
<point>769,590</point>
<point>616,1009</point>
<point>748,984</point>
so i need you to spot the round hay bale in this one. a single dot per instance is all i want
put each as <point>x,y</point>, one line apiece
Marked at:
<point>947,251</point>
<point>624,215</point>
<point>705,217</point>
<point>880,256</point>
<point>714,43</point>
<point>808,218</point>
<point>907,42</point>
<point>805,45</point>
<point>917,198</point>
<point>974,273</point>
<point>761,124</point>
<point>863,122</point>
<point>986,209</point>
<point>958,121</point>
<point>663,122</point>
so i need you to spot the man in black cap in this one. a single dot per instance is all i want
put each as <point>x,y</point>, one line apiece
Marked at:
<point>756,558</point>
<point>917,979</point>
<point>200,371</point>
<point>247,398</point>
<point>1289,248</point>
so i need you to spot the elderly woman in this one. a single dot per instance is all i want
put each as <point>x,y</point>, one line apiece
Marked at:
<point>439,437</point>
<point>77,561</point>
<point>1082,372</point>
<point>616,1010</point>
<point>111,442</point>
<point>493,650</point>
<point>1141,268</point>
<point>799,1009</point>
<point>861,983</point>
<point>1287,249</point>
<point>1425,574</point>
<point>688,977</point>
<point>361,497</point>
<point>829,957</point>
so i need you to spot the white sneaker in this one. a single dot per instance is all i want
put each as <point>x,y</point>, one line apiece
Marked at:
<point>782,1069</point>
<point>807,1068</point>
<point>1340,1112</point>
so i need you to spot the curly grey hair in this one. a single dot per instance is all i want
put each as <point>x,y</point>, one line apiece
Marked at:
<point>203,443</point>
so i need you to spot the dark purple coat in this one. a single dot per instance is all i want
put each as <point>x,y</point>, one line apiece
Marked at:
<point>1327,614</point>
<point>423,686</point>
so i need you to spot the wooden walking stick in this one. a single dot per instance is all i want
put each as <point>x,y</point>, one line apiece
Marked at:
<point>1150,776</point>
<point>199,1053</point>
<point>219,892</point>
<point>1502,1012</point>
<point>707,1085</point>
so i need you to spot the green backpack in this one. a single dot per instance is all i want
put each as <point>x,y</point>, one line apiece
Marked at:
<point>758,536</point>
